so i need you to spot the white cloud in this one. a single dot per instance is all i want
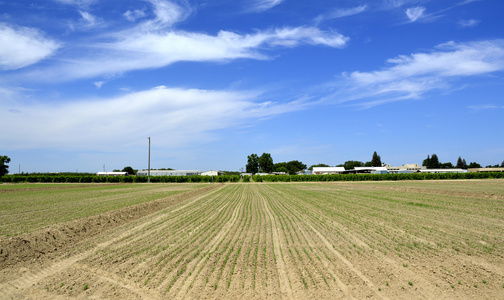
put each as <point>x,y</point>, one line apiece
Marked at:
<point>415,13</point>
<point>482,107</point>
<point>175,117</point>
<point>138,49</point>
<point>263,5</point>
<point>167,13</point>
<point>341,12</point>
<point>413,75</point>
<point>134,15</point>
<point>23,46</point>
<point>77,2</point>
<point>89,19</point>
<point>468,23</point>
<point>98,84</point>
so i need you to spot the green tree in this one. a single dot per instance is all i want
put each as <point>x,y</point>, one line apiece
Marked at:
<point>502,164</point>
<point>295,166</point>
<point>427,162</point>
<point>431,162</point>
<point>474,165</point>
<point>4,168</point>
<point>291,167</point>
<point>435,164</point>
<point>266,163</point>
<point>461,163</point>
<point>351,164</point>
<point>129,170</point>
<point>446,165</point>
<point>317,165</point>
<point>252,163</point>
<point>280,167</point>
<point>376,160</point>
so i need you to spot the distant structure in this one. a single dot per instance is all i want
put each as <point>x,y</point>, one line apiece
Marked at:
<point>443,171</point>
<point>212,173</point>
<point>406,168</point>
<point>169,172</point>
<point>327,170</point>
<point>112,174</point>
<point>479,170</point>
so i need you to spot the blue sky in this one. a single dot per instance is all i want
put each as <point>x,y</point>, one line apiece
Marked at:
<point>83,83</point>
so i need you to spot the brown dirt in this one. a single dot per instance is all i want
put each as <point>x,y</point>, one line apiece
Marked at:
<point>54,238</point>
<point>270,241</point>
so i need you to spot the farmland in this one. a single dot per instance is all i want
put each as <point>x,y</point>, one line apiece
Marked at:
<point>384,240</point>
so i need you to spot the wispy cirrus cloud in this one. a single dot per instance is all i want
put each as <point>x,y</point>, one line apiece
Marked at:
<point>263,5</point>
<point>340,13</point>
<point>165,113</point>
<point>23,46</point>
<point>415,13</point>
<point>483,107</point>
<point>133,15</point>
<point>412,76</point>
<point>141,49</point>
<point>468,23</point>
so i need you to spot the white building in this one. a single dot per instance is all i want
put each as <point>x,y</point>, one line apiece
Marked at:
<point>404,168</point>
<point>443,171</point>
<point>327,170</point>
<point>169,172</point>
<point>212,173</point>
<point>372,170</point>
<point>112,174</point>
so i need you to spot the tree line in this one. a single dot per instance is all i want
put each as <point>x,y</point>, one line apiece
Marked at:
<point>264,164</point>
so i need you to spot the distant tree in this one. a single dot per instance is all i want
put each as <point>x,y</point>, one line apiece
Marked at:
<point>376,160</point>
<point>351,164</point>
<point>368,164</point>
<point>502,164</point>
<point>317,165</point>
<point>435,164</point>
<point>431,162</point>
<point>129,170</point>
<point>295,166</point>
<point>427,162</point>
<point>291,167</point>
<point>266,163</point>
<point>474,165</point>
<point>4,168</point>
<point>252,163</point>
<point>281,169</point>
<point>447,165</point>
<point>492,166</point>
<point>461,163</point>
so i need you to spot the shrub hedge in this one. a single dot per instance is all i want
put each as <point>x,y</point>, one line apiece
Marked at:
<point>85,178</point>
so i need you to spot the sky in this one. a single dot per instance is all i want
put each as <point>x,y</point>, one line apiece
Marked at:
<point>84,83</point>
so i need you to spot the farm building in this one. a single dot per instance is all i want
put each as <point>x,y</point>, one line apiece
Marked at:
<point>112,174</point>
<point>327,170</point>
<point>443,171</point>
<point>212,173</point>
<point>169,172</point>
<point>372,170</point>
<point>479,170</point>
<point>404,168</point>
<point>367,170</point>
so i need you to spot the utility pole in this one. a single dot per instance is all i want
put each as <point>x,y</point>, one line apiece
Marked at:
<point>148,168</point>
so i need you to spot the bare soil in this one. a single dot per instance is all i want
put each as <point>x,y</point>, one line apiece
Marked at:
<point>272,241</point>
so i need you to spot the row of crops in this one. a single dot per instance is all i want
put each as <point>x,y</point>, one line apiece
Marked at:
<point>75,178</point>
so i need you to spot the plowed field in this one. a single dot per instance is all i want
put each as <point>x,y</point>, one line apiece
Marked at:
<point>382,240</point>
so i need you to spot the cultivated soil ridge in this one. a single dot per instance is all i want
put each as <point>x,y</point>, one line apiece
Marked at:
<point>35,245</point>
